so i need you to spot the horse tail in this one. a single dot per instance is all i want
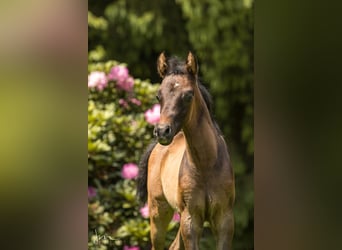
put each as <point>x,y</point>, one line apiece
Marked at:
<point>142,177</point>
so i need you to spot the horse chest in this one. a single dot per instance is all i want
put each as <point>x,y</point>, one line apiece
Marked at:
<point>203,192</point>
<point>206,191</point>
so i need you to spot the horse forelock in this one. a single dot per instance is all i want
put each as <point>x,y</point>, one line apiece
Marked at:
<point>176,66</point>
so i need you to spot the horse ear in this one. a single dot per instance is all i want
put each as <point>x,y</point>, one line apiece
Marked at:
<point>191,64</point>
<point>161,65</point>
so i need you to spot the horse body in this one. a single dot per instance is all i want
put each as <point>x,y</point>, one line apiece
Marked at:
<point>189,169</point>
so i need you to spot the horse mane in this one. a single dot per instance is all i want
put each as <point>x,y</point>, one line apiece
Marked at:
<point>142,176</point>
<point>209,102</point>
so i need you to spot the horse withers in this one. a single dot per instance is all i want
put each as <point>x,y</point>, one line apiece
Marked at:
<point>188,168</point>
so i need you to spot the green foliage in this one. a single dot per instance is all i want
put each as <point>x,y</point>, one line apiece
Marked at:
<point>136,32</point>
<point>117,134</point>
<point>220,33</point>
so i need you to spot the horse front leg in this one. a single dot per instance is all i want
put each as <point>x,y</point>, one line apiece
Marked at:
<point>177,244</point>
<point>223,229</point>
<point>191,227</point>
<point>160,216</point>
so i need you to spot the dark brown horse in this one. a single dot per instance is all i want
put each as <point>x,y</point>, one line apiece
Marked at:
<point>188,169</point>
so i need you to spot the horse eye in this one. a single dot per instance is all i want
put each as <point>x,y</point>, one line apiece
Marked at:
<point>158,98</point>
<point>187,97</point>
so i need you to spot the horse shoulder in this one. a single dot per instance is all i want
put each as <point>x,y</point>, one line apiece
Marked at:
<point>153,177</point>
<point>222,179</point>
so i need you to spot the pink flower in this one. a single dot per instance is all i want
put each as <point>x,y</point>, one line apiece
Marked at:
<point>131,248</point>
<point>144,211</point>
<point>126,85</point>
<point>123,103</point>
<point>97,79</point>
<point>152,115</point>
<point>129,171</point>
<point>118,73</point>
<point>122,78</point>
<point>135,101</point>
<point>91,192</point>
<point>176,217</point>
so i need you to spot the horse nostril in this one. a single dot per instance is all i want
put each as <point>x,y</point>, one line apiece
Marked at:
<point>162,131</point>
<point>168,130</point>
<point>155,131</point>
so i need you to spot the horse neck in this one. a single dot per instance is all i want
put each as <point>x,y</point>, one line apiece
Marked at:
<point>201,135</point>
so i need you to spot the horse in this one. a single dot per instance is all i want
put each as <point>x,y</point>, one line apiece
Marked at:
<point>187,168</point>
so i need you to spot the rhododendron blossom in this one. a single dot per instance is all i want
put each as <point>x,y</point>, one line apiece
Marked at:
<point>135,101</point>
<point>97,79</point>
<point>176,217</point>
<point>123,103</point>
<point>91,192</point>
<point>131,248</point>
<point>144,211</point>
<point>129,171</point>
<point>120,75</point>
<point>152,115</point>
<point>126,85</point>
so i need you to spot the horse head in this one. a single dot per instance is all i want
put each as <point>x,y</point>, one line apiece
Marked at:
<point>175,95</point>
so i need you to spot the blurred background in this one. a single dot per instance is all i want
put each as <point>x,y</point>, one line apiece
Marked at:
<point>132,34</point>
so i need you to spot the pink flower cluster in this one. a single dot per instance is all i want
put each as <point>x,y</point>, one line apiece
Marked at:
<point>152,115</point>
<point>97,79</point>
<point>91,192</point>
<point>129,171</point>
<point>118,73</point>
<point>176,217</point>
<point>122,78</point>
<point>124,103</point>
<point>144,211</point>
<point>131,248</point>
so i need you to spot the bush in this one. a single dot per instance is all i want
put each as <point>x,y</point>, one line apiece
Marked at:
<point>117,135</point>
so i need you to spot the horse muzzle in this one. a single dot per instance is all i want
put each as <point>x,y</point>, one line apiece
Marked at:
<point>164,134</point>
